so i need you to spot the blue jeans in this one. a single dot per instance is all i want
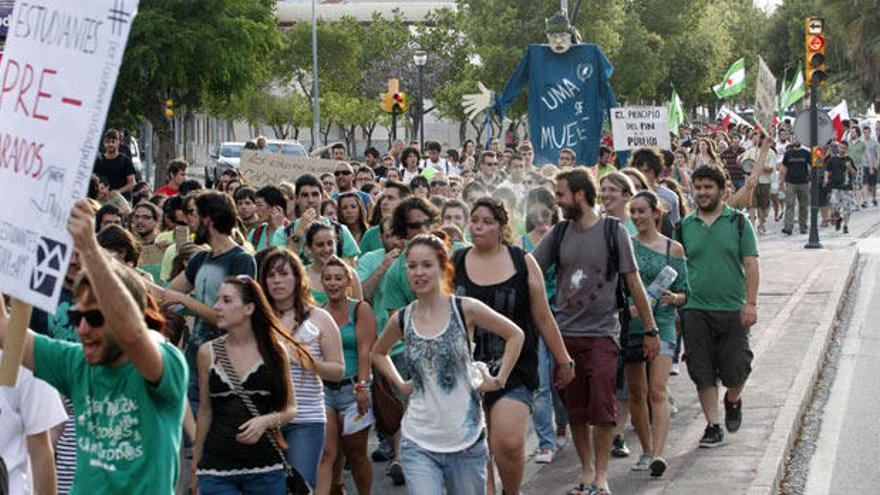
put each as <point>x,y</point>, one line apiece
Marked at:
<point>271,483</point>
<point>547,401</point>
<point>305,444</point>
<point>461,473</point>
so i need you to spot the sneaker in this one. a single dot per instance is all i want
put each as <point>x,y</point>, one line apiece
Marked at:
<point>837,222</point>
<point>644,462</point>
<point>382,453</point>
<point>865,204</point>
<point>619,448</point>
<point>675,370</point>
<point>561,439</point>
<point>395,471</point>
<point>804,231</point>
<point>874,201</point>
<point>658,467</point>
<point>673,409</point>
<point>787,231</point>
<point>544,456</point>
<point>712,437</point>
<point>732,414</point>
<point>846,229</point>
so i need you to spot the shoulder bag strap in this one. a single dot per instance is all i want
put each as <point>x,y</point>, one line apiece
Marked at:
<point>220,354</point>
<point>668,249</point>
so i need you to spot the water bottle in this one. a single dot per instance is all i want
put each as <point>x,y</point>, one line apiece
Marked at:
<point>662,282</point>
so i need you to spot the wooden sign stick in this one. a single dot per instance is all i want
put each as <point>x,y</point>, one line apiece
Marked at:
<point>13,343</point>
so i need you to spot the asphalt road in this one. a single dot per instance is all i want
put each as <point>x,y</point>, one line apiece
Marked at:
<point>848,446</point>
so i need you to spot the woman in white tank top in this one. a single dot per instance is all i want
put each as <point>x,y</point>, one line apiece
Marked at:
<point>443,429</point>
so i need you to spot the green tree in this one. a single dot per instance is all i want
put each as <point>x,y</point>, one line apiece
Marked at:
<point>197,53</point>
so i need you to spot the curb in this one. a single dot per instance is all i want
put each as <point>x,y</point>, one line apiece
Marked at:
<point>772,467</point>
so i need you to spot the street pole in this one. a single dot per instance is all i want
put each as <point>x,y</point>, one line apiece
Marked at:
<point>421,111</point>
<point>813,242</point>
<point>394,115</point>
<point>316,108</point>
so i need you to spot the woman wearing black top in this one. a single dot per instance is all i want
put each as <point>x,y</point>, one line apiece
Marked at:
<point>232,451</point>
<point>508,280</point>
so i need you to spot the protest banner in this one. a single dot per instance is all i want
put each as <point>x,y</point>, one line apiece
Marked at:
<point>265,169</point>
<point>637,127</point>
<point>5,17</point>
<point>58,72</point>
<point>765,96</point>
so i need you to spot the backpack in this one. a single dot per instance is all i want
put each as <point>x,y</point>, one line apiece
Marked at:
<point>610,225</point>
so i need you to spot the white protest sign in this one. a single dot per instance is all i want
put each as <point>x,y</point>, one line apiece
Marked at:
<point>638,127</point>
<point>57,77</point>
<point>264,169</point>
<point>765,96</point>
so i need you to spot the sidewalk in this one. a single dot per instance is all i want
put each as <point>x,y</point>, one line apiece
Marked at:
<point>798,301</point>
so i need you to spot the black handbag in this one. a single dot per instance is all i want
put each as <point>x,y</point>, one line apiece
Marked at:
<point>296,484</point>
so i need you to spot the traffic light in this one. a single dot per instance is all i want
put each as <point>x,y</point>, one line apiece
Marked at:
<point>815,50</point>
<point>399,102</point>
<point>818,157</point>
<point>169,108</point>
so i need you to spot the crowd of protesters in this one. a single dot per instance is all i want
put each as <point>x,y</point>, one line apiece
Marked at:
<point>444,299</point>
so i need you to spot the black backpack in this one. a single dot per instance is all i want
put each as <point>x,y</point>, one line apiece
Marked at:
<point>610,225</point>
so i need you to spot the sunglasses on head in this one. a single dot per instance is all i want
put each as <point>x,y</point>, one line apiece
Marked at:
<point>418,225</point>
<point>93,317</point>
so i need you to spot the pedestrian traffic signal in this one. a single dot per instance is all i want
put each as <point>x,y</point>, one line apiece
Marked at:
<point>818,157</point>
<point>169,108</point>
<point>815,50</point>
<point>399,102</point>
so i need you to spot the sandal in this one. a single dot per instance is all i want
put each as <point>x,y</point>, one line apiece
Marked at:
<point>582,489</point>
<point>600,491</point>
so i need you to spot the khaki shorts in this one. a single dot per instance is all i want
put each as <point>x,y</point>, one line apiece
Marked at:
<point>762,196</point>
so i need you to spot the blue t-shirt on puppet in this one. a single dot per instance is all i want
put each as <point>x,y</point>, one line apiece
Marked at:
<point>569,95</point>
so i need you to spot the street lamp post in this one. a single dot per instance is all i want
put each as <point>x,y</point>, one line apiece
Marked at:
<point>421,58</point>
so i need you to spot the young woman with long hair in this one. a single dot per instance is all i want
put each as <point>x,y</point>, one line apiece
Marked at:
<point>509,281</point>
<point>231,450</point>
<point>353,214</point>
<point>287,290</point>
<point>321,242</point>
<point>653,252</point>
<point>409,161</point>
<point>443,439</point>
<point>349,397</point>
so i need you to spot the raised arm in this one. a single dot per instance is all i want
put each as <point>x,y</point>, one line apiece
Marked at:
<point>28,354</point>
<point>127,325</point>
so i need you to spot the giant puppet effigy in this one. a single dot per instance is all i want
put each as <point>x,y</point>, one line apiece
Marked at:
<point>569,93</point>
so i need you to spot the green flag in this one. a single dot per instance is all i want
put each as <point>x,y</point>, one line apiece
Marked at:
<point>796,90</point>
<point>783,90</point>
<point>734,81</point>
<point>676,112</point>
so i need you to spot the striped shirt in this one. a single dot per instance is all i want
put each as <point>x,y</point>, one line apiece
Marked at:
<point>308,386</point>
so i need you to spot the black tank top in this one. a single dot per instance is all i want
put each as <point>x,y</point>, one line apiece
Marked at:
<point>511,299</point>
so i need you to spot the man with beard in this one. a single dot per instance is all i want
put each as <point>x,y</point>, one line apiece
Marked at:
<point>587,309</point>
<point>144,223</point>
<point>723,272</point>
<point>214,216</point>
<point>121,379</point>
<point>116,167</point>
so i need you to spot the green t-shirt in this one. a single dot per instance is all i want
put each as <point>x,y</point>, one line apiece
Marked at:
<point>127,430</point>
<point>371,240</point>
<point>349,245</point>
<point>716,273</point>
<point>857,152</point>
<point>367,265</point>
<point>650,264</point>
<point>277,239</point>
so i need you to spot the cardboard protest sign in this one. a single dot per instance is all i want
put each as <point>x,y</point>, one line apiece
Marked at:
<point>57,77</point>
<point>638,127</point>
<point>264,169</point>
<point>765,96</point>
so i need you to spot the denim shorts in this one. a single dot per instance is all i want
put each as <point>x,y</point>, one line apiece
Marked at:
<point>271,483</point>
<point>519,393</point>
<point>339,399</point>
<point>305,445</point>
<point>460,473</point>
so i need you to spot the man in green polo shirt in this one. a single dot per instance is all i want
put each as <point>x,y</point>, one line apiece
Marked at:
<point>723,274</point>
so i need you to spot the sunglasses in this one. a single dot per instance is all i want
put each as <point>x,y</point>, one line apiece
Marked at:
<point>439,183</point>
<point>93,317</point>
<point>418,225</point>
<point>342,172</point>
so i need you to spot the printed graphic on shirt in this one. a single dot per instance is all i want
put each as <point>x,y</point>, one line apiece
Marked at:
<point>113,429</point>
